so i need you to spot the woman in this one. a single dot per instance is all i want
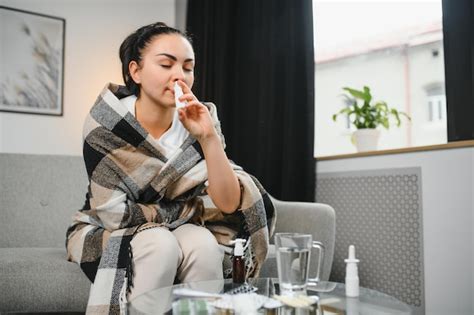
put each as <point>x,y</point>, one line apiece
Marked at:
<point>163,199</point>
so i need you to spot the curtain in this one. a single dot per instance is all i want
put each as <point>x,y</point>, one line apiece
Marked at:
<point>458,32</point>
<point>255,61</point>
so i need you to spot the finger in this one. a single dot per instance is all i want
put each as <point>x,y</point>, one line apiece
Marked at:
<point>195,106</point>
<point>182,114</point>
<point>184,87</point>
<point>188,97</point>
<point>194,110</point>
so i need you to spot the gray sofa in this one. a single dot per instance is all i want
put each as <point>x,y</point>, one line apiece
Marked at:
<point>39,195</point>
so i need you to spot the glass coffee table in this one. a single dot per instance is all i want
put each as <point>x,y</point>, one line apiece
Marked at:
<point>332,299</point>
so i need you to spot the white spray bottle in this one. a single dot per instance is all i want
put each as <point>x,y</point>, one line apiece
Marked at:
<point>178,92</point>
<point>352,277</point>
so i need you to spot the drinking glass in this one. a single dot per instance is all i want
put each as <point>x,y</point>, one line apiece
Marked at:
<point>293,260</point>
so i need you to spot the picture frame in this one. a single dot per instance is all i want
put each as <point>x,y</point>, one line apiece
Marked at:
<point>31,62</point>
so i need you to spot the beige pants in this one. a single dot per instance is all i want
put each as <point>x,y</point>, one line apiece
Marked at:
<point>190,253</point>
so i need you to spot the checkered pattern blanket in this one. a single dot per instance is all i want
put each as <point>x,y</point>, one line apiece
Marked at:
<point>132,185</point>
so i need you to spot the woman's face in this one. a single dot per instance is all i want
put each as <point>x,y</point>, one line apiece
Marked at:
<point>166,59</point>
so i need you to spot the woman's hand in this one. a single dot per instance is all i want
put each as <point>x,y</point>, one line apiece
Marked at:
<point>224,188</point>
<point>195,116</point>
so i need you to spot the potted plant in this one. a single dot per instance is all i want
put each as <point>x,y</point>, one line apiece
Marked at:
<point>366,116</point>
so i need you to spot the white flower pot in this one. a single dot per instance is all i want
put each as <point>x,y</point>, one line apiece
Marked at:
<point>366,139</point>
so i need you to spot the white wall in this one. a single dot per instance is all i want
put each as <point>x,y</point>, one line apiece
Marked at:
<point>94,32</point>
<point>448,207</point>
<point>180,16</point>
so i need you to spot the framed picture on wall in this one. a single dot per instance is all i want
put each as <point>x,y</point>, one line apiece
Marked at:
<point>31,62</point>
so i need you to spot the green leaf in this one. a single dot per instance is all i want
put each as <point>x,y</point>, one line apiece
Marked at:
<point>346,111</point>
<point>381,106</point>
<point>394,112</point>
<point>357,94</point>
<point>367,94</point>
<point>406,115</point>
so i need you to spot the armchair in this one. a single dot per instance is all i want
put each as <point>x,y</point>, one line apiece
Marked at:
<point>312,218</point>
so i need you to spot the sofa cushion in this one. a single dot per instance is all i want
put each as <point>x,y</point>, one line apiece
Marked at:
<point>41,280</point>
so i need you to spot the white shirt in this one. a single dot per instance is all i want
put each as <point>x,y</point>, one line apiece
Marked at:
<point>172,139</point>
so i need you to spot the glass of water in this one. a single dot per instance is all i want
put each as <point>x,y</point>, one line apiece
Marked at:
<point>293,257</point>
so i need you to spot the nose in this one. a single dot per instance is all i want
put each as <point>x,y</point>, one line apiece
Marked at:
<point>178,74</point>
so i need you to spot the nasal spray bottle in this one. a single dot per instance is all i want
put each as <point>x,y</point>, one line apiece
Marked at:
<point>238,263</point>
<point>352,277</point>
<point>178,92</point>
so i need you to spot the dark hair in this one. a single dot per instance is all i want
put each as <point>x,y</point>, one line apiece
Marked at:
<point>131,49</point>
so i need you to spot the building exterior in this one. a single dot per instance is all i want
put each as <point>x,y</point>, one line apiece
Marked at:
<point>405,69</point>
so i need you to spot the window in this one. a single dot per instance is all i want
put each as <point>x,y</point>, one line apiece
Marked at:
<point>437,108</point>
<point>395,48</point>
<point>436,105</point>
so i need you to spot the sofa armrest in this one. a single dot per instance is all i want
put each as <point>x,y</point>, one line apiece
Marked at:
<point>307,217</point>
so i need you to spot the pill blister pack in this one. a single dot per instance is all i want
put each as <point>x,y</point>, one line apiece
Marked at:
<point>244,288</point>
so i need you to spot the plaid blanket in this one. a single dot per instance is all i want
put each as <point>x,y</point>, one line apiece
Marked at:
<point>133,186</point>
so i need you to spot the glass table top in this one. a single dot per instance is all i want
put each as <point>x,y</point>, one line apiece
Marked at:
<point>332,299</point>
